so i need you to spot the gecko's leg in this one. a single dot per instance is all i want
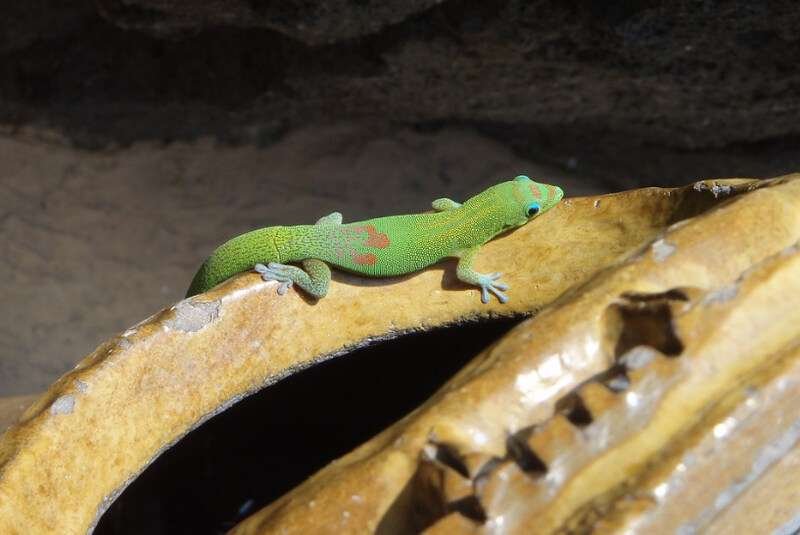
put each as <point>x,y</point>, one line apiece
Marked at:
<point>487,282</point>
<point>314,278</point>
<point>334,218</point>
<point>442,205</point>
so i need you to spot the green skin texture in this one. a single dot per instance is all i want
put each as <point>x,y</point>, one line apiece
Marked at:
<point>384,246</point>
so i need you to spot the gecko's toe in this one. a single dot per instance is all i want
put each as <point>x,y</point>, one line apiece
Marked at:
<point>284,287</point>
<point>269,274</point>
<point>484,294</point>
<point>497,290</point>
<point>503,298</point>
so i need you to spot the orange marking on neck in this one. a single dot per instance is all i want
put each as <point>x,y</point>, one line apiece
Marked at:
<point>374,238</point>
<point>368,259</point>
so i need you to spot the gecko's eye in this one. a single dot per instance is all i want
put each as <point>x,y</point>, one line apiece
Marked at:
<point>532,209</point>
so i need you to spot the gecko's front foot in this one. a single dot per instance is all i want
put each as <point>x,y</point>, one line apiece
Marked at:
<point>275,272</point>
<point>491,283</point>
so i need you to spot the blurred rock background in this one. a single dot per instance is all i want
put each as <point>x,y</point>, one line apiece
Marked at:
<point>135,135</point>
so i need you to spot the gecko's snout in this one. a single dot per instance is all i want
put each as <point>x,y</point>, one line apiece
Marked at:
<point>558,193</point>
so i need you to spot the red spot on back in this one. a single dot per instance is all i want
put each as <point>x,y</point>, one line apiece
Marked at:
<point>368,259</point>
<point>374,238</point>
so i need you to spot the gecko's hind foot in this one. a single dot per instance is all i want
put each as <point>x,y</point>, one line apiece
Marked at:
<point>490,283</point>
<point>275,272</point>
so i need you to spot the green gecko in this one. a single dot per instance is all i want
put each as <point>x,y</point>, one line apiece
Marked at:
<point>384,246</point>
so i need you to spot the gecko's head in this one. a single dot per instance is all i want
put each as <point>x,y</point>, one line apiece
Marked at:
<point>526,199</point>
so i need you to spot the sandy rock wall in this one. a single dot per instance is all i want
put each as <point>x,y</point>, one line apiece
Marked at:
<point>550,77</point>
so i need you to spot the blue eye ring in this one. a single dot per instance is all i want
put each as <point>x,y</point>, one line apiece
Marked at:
<point>532,209</point>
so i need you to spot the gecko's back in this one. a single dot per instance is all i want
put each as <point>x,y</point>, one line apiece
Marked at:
<point>393,245</point>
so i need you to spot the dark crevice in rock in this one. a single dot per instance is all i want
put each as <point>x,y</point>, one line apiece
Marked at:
<point>268,443</point>
<point>615,379</point>
<point>471,508</point>
<point>521,454</point>
<point>418,505</point>
<point>573,408</point>
<point>449,457</point>
<point>674,294</point>
<point>645,320</point>
<point>620,158</point>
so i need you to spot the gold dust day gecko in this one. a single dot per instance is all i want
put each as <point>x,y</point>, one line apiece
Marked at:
<point>384,246</point>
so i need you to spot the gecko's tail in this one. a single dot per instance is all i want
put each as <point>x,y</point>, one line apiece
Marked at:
<point>235,256</point>
<point>218,267</point>
<point>200,282</point>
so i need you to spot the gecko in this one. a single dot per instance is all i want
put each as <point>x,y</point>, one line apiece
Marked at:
<point>385,246</point>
